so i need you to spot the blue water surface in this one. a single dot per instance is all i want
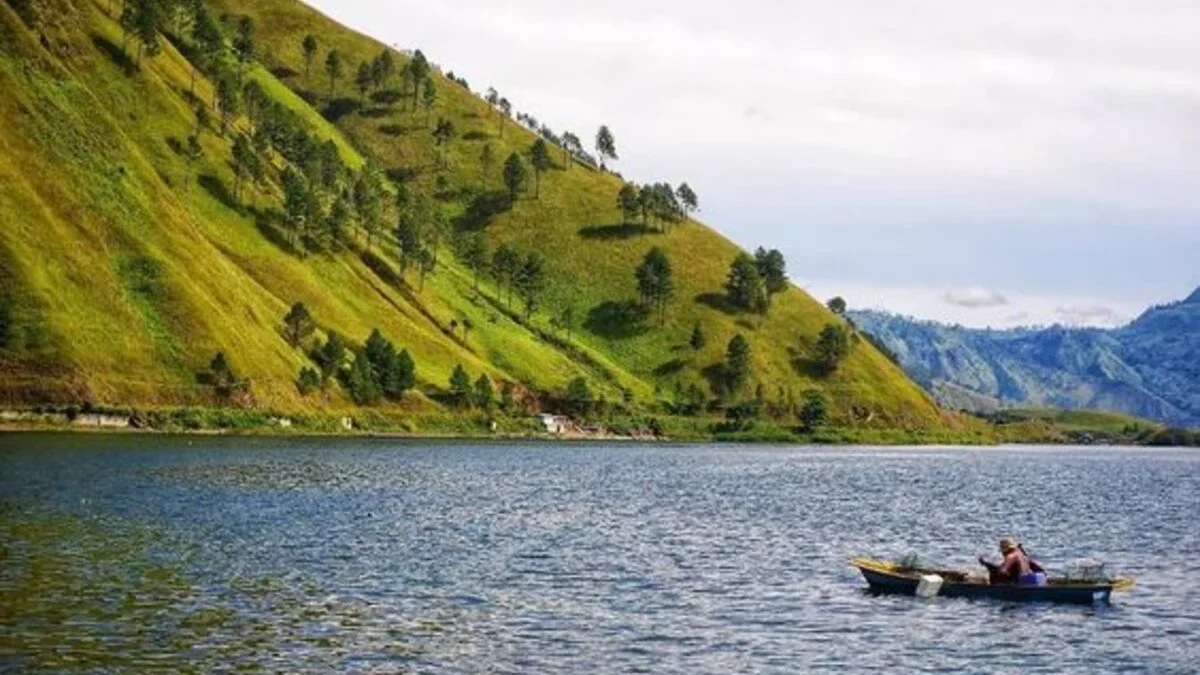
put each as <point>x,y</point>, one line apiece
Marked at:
<point>162,554</point>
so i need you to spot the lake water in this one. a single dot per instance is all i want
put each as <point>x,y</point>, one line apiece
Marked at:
<point>157,554</point>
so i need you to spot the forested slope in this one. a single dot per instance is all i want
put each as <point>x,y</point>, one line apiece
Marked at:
<point>174,176</point>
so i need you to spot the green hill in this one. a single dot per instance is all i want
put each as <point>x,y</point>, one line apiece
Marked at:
<point>127,263</point>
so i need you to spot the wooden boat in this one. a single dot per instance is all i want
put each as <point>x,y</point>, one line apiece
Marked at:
<point>888,577</point>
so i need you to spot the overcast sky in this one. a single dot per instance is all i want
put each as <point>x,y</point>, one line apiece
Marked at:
<point>1030,161</point>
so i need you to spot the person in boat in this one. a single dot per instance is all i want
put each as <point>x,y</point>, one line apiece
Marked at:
<point>1016,568</point>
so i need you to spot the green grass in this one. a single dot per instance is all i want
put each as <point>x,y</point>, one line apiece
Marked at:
<point>316,123</point>
<point>127,272</point>
<point>1051,425</point>
<point>1084,420</point>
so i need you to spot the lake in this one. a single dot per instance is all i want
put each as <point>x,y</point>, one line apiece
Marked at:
<point>164,554</point>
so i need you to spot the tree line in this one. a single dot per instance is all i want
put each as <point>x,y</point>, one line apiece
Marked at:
<point>369,373</point>
<point>375,371</point>
<point>656,204</point>
<point>571,145</point>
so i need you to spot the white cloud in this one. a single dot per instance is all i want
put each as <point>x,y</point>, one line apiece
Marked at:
<point>1021,309</point>
<point>974,298</point>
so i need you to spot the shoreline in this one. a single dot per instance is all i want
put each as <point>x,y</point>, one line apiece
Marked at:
<point>268,432</point>
<point>302,434</point>
<point>484,426</point>
<point>259,434</point>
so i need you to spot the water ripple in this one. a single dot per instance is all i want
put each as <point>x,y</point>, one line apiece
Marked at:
<point>132,554</point>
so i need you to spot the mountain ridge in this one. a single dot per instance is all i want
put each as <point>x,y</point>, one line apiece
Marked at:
<point>1148,367</point>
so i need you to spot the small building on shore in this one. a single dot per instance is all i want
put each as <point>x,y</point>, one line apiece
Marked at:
<point>101,420</point>
<point>553,424</point>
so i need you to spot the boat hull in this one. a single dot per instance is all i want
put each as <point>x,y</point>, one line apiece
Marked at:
<point>884,578</point>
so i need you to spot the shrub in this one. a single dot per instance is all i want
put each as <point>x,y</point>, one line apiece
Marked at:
<point>460,386</point>
<point>813,413</point>
<point>484,394</point>
<point>298,324</point>
<point>224,381</point>
<point>309,381</point>
<point>579,397</point>
<point>360,381</point>
<point>833,345</point>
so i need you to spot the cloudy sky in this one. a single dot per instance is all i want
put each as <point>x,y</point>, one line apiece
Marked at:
<point>1031,161</point>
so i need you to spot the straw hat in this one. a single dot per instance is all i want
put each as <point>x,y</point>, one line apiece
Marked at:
<point>1007,544</point>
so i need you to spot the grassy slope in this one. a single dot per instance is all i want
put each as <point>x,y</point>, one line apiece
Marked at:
<point>592,270</point>
<point>1083,420</point>
<point>136,275</point>
<point>126,275</point>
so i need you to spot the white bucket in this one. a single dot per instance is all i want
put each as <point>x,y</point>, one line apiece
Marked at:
<point>929,586</point>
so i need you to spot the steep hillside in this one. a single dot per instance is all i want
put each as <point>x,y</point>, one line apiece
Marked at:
<point>1149,368</point>
<point>128,257</point>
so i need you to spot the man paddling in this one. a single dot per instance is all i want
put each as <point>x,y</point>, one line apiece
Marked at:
<point>1016,568</point>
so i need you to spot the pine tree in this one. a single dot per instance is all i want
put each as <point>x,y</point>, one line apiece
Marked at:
<point>484,394</point>
<point>408,235</point>
<point>418,72</point>
<point>368,202</point>
<point>606,146</point>
<point>363,80</point>
<point>331,356</point>
<point>487,161</point>
<point>298,324</point>
<point>460,386</point>
<point>737,363</point>
<point>772,269</point>
<point>225,382</point>
<point>654,281</point>
<point>628,202</point>
<point>687,197</point>
<point>333,68</point>
<point>745,287</point>
<point>539,157</point>
<point>514,175</point>
<point>475,255</point>
<point>361,382</point>
<point>505,264</point>
<point>295,204</point>
<point>531,281</point>
<point>405,371</point>
<point>309,46</point>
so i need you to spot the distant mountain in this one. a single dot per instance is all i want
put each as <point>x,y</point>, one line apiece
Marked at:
<point>1149,368</point>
